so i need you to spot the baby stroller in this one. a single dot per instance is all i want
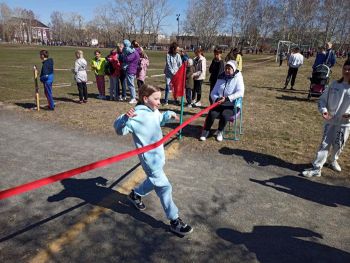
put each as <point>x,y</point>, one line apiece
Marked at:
<point>319,81</point>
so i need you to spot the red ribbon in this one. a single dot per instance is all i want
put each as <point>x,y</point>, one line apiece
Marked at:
<point>60,176</point>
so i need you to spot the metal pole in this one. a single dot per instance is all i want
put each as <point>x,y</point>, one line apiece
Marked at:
<point>178,24</point>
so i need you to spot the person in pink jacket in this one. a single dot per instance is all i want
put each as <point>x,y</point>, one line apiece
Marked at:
<point>142,69</point>
<point>114,75</point>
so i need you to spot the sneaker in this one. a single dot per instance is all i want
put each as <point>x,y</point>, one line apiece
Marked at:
<point>335,166</point>
<point>133,101</point>
<point>99,97</point>
<point>198,104</point>
<point>189,105</point>
<point>219,137</point>
<point>135,199</point>
<point>312,172</point>
<point>85,101</point>
<point>124,98</point>
<point>204,135</point>
<point>179,227</point>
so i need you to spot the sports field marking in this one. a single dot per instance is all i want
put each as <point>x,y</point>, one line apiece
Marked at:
<point>55,246</point>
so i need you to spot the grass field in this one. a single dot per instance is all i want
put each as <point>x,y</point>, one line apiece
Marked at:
<point>281,127</point>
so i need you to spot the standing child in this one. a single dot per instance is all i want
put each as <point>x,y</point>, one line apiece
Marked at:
<point>46,77</point>
<point>113,71</point>
<point>200,64</point>
<point>98,67</point>
<point>80,75</point>
<point>142,69</point>
<point>334,106</point>
<point>189,82</point>
<point>144,123</point>
<point>215,69</point>
<point>122,74</point>
<point>172,64</point>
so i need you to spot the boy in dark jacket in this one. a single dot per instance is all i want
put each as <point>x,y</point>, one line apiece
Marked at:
<point>46,77</point>
<point>215,69</point>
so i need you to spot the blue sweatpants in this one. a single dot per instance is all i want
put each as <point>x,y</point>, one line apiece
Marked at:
<point>48,94</point>
<point>157,180</point>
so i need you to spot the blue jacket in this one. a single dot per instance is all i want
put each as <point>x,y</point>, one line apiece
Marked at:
<point>330,58</point>
<point>319,60</point>
<point>46,74</point>
<point>145,130</point>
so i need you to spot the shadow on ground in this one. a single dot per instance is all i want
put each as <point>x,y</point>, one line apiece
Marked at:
<point>261,159</point>
<point>329,195</point>
<point>93,191</point>
<point>276,244</point>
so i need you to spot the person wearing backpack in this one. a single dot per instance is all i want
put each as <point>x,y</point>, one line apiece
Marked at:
<point>112,70</point>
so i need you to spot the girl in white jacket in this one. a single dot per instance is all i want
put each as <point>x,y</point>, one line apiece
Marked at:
<point>80,75</point>
<point>200,64</point>
<point>334,105</point>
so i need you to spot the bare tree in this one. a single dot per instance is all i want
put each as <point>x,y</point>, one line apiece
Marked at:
<point>5,15</point>
<point>57,25</point>
<point>205,19</point>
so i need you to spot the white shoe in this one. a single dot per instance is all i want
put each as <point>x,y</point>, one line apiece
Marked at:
<point>133,101</point>
<point>198,104</point>
<point>219,137</point>
<point>312,172</point>
<point>335,166</point>
<point>204,135</point>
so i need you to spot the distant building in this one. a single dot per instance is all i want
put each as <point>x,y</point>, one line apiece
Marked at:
<point>29,31</point>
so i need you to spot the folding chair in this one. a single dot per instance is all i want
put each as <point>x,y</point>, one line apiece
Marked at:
<point>231,130</point>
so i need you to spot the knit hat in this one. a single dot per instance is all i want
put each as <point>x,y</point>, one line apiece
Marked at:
<point>232,64</point>
<point>127,43</point>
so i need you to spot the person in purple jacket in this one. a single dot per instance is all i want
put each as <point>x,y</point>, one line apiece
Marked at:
<point>130,65</point>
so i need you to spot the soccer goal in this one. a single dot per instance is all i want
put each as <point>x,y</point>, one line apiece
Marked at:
<point>284,46</point>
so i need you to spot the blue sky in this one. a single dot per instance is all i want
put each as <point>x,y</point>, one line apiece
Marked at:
<point>44,8</point>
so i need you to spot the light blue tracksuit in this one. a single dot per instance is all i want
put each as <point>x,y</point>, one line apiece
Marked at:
<point>145,129</point>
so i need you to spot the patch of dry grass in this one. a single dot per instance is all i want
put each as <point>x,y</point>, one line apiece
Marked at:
<point>279,125</point>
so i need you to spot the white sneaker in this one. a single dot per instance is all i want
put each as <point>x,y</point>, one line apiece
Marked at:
<point>198,104</point>
<point>219,137</point>
<point>335,166</point>
<point>312,172</point>
<point>133,101</point>
<point>204,135</point>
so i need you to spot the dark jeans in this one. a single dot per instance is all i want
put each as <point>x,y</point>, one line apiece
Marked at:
<point>212,84</point>
<point>197,90</point>
<point>221,112</point>
<point>292,73</point>
<point>139,84</point>
<point>82,89</point>
<point>122,79</point>
<point>188,95</point>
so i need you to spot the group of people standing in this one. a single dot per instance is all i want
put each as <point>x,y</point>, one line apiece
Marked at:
<point>123,65</point>
<point>325,55</point>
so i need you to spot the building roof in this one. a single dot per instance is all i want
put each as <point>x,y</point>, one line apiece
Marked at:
<point>34,22</point>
